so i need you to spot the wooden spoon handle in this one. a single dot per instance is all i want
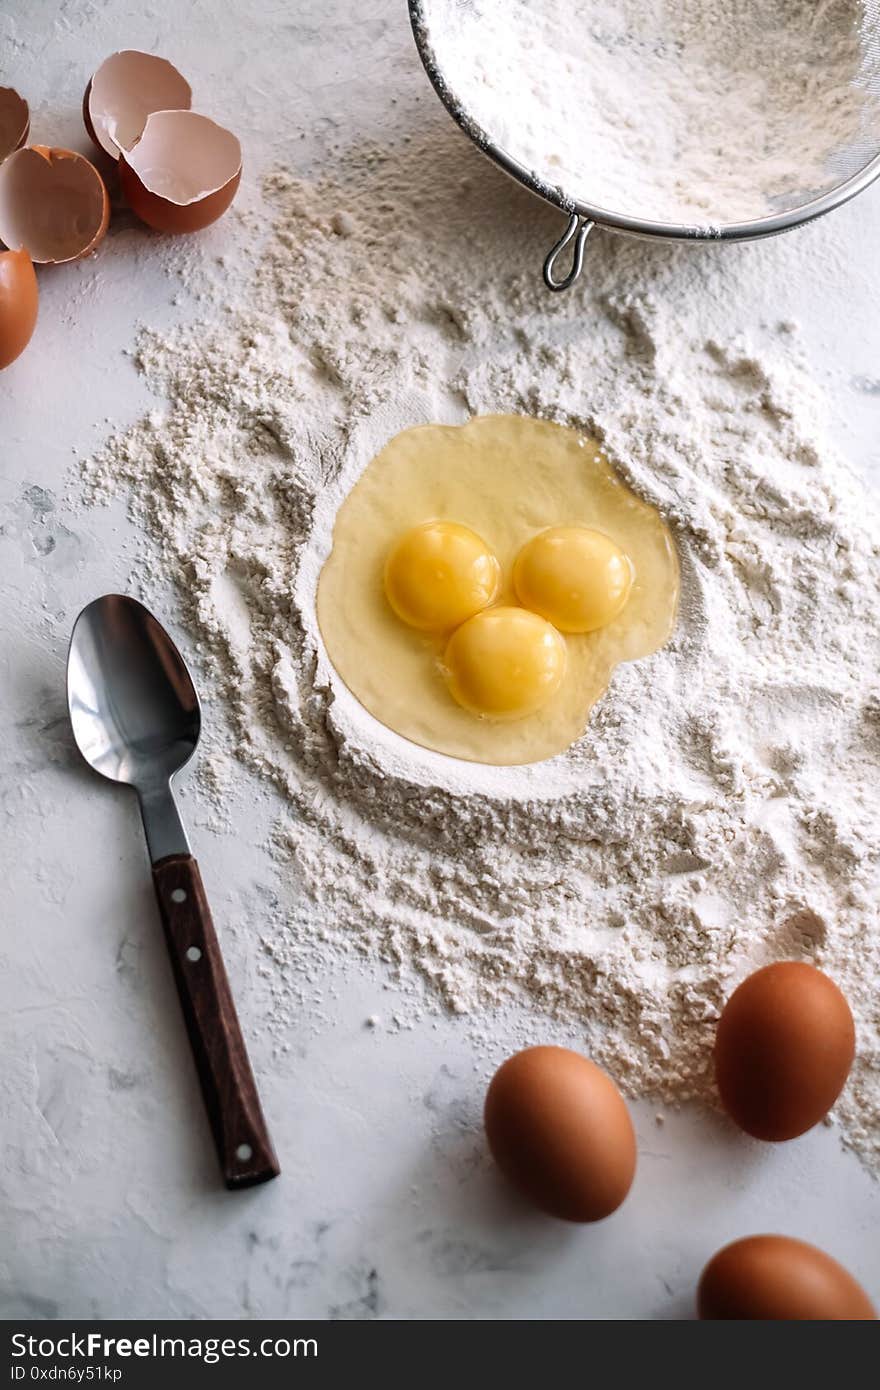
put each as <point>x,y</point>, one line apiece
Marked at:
<point>240,1133</point>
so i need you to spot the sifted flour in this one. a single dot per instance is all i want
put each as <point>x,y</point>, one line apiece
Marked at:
<point>723,809</point>
<point>693,111</point>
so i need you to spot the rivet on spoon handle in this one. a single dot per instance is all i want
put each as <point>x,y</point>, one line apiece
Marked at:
<point>230,1092</point>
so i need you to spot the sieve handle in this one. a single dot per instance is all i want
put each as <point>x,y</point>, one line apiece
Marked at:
<point>579,229</point>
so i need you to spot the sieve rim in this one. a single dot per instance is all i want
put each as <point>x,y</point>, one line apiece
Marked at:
<point>590,214</point>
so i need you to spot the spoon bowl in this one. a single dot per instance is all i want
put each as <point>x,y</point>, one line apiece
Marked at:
<point>133,706</point>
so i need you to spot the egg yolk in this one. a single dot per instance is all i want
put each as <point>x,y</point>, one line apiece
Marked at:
<point>576,578</point>
<point>505,662</point>
<point>440,574</point>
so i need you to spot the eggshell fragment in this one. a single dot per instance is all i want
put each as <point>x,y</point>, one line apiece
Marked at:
<point>778,1278</point>
<point>560,1130</point>
<point>125,90</point>
<point>18,304</point>
<point>783,1050</point>
<point>53,204</point>
<point>15,121</point>
<point>183,172</point>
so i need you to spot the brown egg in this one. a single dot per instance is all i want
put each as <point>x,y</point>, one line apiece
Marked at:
<point>53,204</point>
<point>183,172</point>
<point>560,1130</point>
<point>783,1050</point>
<point>15,121</point>
<point>127,88</point>
<point>18,304</point>
<point>777,1278</point>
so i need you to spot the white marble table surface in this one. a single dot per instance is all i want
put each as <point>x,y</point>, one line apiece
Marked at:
<point>388,1207</point>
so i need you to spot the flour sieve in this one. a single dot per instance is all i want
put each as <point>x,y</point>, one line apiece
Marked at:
<point>840,170</point>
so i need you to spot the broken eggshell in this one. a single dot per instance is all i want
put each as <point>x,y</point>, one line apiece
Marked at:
<point>18,304</point>
<point>53,204</point>
<point>183,172</point>
<point>15,121</point>
<point>127,88</point>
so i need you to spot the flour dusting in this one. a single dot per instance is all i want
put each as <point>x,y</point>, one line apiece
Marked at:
<point>723,809</point>
<point>691,111</point>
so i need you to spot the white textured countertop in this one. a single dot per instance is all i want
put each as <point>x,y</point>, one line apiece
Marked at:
<point>388,1206</point>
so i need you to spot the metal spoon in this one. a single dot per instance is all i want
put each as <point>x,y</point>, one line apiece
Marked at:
<point>136,719</point>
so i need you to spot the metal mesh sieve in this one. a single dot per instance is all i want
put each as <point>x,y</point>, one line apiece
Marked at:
<point>848,169</point>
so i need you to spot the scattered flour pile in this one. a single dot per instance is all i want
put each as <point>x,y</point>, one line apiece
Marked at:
<point>695,111</point>
<point>723,809</point>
